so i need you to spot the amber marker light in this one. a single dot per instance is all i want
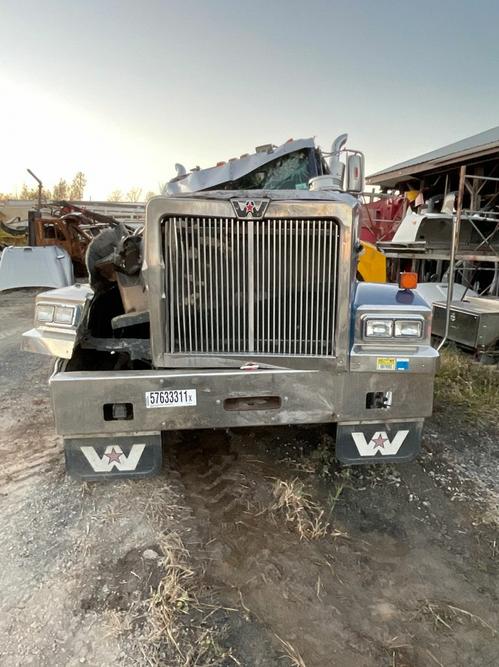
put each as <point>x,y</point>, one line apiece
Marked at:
<point>408,280</point>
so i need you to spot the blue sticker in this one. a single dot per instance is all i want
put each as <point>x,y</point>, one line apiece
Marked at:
<point>402,365</point>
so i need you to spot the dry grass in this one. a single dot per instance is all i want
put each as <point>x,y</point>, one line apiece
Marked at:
<point>291,653</point>
<point>206,651</point>
<point>162,503</point>
<point>194,643</point>
<point>444,615</point>
<point>120,623</point>
<point>471,387</point>
<point>174,593</point>
<point>305,516</point>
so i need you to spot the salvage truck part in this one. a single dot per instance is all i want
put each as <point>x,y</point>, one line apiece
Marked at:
<point>29,266</point>
<point>244,310</point>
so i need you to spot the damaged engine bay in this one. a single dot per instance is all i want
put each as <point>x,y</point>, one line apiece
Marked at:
<point>117,322</point>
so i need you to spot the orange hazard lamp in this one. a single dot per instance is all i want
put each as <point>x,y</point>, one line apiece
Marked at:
<point>408,280</point>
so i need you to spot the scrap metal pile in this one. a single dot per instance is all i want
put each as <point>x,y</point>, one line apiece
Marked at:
<point>49,249</point>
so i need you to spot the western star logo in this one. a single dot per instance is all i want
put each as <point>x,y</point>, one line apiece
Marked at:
<point>113,457</point>
<point>250,208</point>
<point>379,443</point>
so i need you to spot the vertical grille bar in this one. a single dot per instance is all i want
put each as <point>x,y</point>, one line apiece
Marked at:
<point>279,290</point>
<point>221,314</point>
<point>302,246</point>
<point>233,274</point>
<point>238,291</point>
<point>257,290</point>
<point>245,267</point>
<point>328,302</point>
<point>199,293</point>
<point>285,290</point>
<point>268,291</point>
<point>210,273</point>
<point>313,287</point>
<point>250,235</point>
<point>251,286</point>
<point>324,286</point>
<point>181,281</point>
<point>334,233</point>
<point>173,320</point>
<point>294,225</point>
<point>307,287</point>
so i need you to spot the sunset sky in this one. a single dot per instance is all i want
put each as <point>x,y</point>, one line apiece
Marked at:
<point>122,90</point>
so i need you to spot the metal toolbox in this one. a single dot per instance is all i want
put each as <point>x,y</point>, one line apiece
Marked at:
<point>473,323</point>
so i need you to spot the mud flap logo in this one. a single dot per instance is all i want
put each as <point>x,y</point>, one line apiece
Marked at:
<point>379,443</point>
<point>113,457</point>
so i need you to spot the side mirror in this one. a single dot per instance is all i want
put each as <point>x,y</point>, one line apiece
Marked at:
<point>355,173</point>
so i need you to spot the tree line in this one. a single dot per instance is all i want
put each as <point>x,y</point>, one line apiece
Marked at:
<point>74,190</point>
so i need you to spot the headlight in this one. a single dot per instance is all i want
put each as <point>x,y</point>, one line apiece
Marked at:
<point>47,313</point>
<point>44,313</point>
<point>64,314</point>
<point>378,328</point>
<point>408,328</point>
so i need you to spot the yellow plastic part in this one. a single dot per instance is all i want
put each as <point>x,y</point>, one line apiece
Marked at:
<point>7,239</point>
<point>372,264</point>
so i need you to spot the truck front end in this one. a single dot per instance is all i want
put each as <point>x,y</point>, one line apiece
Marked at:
<point>251,315</point>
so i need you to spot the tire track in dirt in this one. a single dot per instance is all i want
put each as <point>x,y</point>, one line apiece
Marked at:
<point>29,447</point>
<point>357,601</point>
<point>29,466</point>
<point>254,560</point>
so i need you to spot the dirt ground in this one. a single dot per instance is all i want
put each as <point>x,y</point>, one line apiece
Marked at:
<point>252,548</point>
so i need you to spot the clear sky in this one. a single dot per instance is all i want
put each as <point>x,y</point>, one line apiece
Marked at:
<point>122,90</point>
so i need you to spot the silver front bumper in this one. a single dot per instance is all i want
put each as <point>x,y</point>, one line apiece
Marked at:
<point>293,397</point>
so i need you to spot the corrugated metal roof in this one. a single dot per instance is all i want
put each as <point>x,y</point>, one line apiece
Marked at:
<point>466,147</point>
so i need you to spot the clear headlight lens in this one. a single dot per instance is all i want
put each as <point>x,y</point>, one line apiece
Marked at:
<point>378,328</point>
<point>54,314</point>
<point>64,314</point>
<point>45,313</point>
<point>409,328</point>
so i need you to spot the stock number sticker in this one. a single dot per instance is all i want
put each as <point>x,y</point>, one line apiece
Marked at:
<point>171,398</point>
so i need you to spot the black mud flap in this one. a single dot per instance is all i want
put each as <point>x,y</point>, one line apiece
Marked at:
<point>113,457</point>
<point>381,442</point>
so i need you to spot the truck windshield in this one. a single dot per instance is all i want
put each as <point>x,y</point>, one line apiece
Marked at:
<point>290,172</point>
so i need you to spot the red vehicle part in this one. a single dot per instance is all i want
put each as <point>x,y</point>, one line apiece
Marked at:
<point>380,219</point>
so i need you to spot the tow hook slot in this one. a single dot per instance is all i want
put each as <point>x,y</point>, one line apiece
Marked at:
<point>253,403</point>
<point>376,400</point>
<point>118,411</point>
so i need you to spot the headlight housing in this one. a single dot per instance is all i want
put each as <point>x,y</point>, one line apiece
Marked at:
<point>408,328</point>
<point>64,315</point>
<point>44,313</point>
<point>55,314</point>
<point>378,328</point>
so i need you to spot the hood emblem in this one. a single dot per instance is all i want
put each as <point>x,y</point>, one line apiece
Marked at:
<point>250,208</point>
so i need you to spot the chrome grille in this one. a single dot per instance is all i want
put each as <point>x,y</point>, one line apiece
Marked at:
<point>257,286</point>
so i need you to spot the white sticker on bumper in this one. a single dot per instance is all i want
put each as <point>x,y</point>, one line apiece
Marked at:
<point>171,398</point>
